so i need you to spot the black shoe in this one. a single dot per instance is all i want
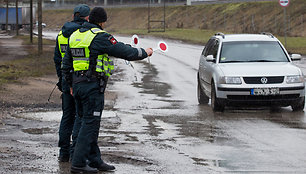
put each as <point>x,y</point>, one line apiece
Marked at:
<point>105,167</point>
<point>85,169</point>
<point>63,159</point>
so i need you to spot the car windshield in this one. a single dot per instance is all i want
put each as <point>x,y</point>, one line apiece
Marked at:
<point>252,51</point>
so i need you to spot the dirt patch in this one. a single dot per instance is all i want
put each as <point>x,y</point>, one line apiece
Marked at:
<point>11,48</point>
<point>23,92</point>
<point>32,91</point>
<point>26,93</point>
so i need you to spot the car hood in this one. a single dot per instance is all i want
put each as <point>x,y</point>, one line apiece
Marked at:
<point>259,69</point>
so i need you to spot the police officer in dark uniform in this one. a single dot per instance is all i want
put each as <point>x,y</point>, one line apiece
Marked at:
<point>80,15</point>
<point>86,67</point>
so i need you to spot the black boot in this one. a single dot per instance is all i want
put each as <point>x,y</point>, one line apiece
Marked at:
<point>85,169</point>
<point>105,167</point>
<point>64,158</point>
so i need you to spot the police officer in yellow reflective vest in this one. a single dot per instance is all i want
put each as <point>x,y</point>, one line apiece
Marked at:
<point>87,66</point>
<point>80,15</point>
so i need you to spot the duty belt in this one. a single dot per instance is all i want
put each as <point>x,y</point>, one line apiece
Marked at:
<point>79,73</point>
<point>80,76</point>
<point>93,74</point>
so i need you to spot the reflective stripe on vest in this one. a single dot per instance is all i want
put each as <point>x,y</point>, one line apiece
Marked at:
<point>79,43</point>
<point>62,43</point>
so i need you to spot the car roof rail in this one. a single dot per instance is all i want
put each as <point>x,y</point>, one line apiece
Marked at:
<point>220,34</point>
<point>268,34</point>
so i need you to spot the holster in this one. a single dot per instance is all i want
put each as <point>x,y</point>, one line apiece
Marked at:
<point>103,83</point>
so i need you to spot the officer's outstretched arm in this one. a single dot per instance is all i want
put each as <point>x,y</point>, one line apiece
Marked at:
<point>106,43</point>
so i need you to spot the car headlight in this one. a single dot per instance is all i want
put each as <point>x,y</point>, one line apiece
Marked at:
<point>231,80</point>
<point>295,79</point>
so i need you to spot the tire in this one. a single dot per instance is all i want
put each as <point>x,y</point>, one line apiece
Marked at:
<point>202,97</point>
<point>299,105</point>
<point>216,103</point>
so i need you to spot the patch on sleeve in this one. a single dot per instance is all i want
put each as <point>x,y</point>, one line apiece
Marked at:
<point>112,40</point>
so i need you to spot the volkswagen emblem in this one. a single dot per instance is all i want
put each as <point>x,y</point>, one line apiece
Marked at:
<point>264,80</point>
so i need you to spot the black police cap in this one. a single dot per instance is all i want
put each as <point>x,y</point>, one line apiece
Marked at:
<point>82,9</point>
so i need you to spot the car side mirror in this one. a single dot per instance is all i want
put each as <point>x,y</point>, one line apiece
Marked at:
<point>210,58</point>
<point>295,57</point>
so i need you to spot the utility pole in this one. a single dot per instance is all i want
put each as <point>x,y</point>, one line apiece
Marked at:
<point>6,25</point>
<point>17,22</point>
<point>284,4</point>
<point>40,47</point>
<point>31,21</point>
<point>285,26</point>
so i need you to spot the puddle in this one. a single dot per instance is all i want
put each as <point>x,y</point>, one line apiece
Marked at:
<point>207,162</point>
<point>57,115</point>
<point>43,116</point>
<point>27,142</point>
<point>38,131</point>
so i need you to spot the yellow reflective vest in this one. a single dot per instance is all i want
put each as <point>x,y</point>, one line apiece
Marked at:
<point>79,43</point>
<point>62,43</point>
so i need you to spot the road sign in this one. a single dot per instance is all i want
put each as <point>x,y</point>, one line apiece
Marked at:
<point>284,3</point>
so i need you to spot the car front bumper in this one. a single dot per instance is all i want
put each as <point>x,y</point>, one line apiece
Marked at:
<point>236,94</point>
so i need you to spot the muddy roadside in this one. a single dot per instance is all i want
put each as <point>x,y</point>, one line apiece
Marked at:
<point>29,145</point>
<point>23,93</point>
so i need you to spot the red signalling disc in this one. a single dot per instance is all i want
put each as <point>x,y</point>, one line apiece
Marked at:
<point>163,46</point>
<point>135,40</point>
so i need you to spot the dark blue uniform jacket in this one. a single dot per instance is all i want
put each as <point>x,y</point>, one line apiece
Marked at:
<point>67,30</point>
<point>101,44</point>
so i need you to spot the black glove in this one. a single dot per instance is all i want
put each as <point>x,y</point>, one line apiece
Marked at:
<point>68,77</point>
<point>59,85</point>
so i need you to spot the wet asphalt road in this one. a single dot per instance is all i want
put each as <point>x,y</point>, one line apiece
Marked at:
<point>188,138</point>
<point>155,125</point>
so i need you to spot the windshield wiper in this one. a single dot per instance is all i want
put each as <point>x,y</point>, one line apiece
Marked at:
<point>261,60</point>
<point>232,61</point>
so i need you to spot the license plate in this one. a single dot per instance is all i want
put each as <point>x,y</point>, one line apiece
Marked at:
<point>265,91</point>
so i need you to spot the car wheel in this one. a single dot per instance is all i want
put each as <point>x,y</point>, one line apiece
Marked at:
<point>299,105</point>
<point>216,103</point>
<point>202,97</point>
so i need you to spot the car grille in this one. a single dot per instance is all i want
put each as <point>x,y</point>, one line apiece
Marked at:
<point>247,100</point>
<point>258,80</point>
<point>263,98</point>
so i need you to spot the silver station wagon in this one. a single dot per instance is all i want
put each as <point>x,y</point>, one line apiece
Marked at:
<point>249,70</point>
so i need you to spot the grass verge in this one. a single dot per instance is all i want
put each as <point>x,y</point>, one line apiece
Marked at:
<point>197,36</point>
<point>32,65</point>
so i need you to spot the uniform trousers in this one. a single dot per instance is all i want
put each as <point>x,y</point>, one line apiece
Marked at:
<point>67,122</point>
<point>90,104</point>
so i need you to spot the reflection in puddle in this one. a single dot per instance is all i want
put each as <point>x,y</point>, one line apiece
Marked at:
<point>207,162</point>
<point>43,116</point>
<point>28,142</point>
<point>38,130</point>
<point>57,115</point>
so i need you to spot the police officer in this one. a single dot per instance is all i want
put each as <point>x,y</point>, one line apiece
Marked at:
<point>86,66</point>
<point>80,15</point>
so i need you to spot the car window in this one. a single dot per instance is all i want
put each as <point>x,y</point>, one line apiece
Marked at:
<point>252,51</point>
<point>213,50</point>
<point>207,47</point>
